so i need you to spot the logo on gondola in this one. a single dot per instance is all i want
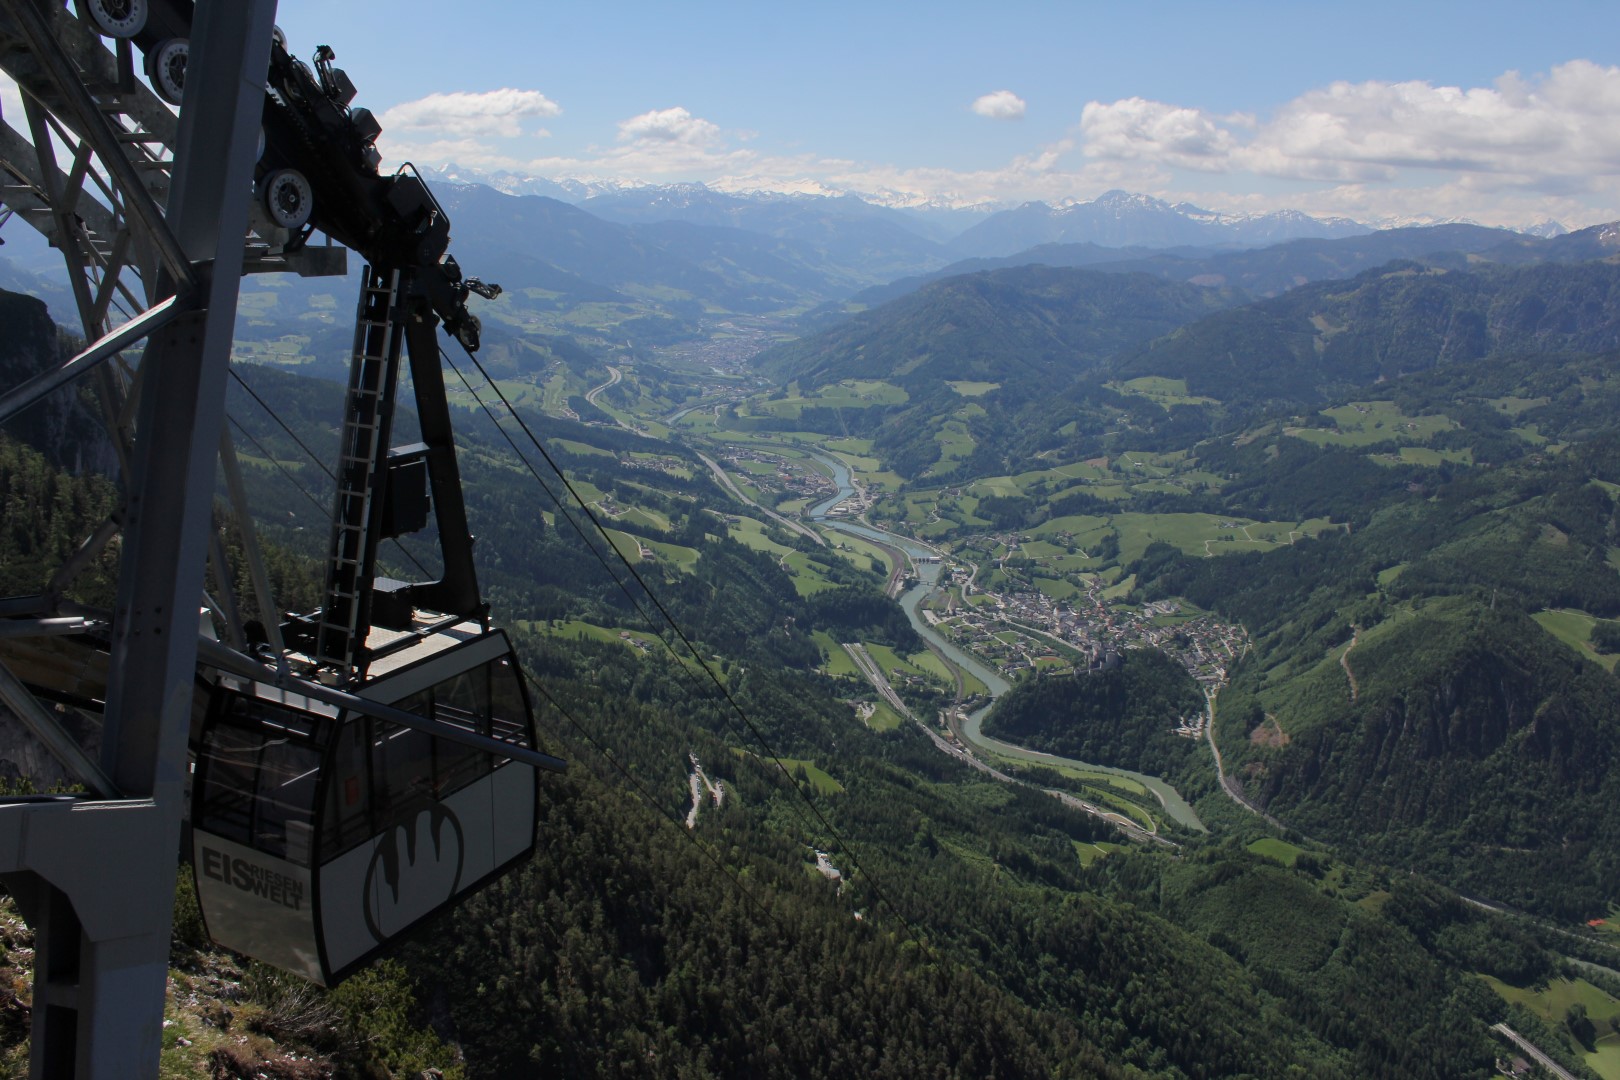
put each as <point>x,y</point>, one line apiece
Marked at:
<point>269,885</point>
<point>415,867</point>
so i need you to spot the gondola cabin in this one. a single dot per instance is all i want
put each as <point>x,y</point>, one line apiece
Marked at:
<point>320,834</point>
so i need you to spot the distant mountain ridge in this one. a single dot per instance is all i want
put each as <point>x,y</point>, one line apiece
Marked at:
<point>1262,271</point>
<point>1122,219</point>
<point>1269,271</point>
<point>1043,323</point>
<point>1319,339</point>
<point>533,241</point>
<point>881,242</point>
<point>1114,219</point>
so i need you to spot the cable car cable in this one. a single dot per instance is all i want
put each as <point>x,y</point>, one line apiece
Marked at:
<point>278,466</point>
<point>561,507</point>
<point>759,736</point>
<point>290,433</point>
<point>312,457</point>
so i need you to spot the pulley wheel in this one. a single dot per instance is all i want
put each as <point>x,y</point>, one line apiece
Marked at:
<point>287,198</point>
<point>166,67</point>
<point>116,18</point>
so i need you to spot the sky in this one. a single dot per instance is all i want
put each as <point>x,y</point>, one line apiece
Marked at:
<point>1501,113</point>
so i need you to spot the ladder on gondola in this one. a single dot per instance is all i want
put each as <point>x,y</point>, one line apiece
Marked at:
<point>379,337</point>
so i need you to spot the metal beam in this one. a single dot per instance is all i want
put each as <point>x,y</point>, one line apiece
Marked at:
<point>234,663</point>
<point>74,99</point>
<point>102,959</point>
<point>44,727</point>
<point>148,322</point>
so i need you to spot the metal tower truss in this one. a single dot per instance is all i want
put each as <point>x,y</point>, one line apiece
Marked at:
<point>159,194</point>
<point>149,211</point>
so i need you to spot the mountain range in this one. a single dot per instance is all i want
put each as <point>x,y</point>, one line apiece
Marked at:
<point>1121,219</point>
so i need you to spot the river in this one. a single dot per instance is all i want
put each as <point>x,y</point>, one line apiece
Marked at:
<point>928,573</point>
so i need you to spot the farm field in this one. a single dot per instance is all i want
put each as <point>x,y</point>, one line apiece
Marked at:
<point>1162,391</point>
<point>849,394</point>
<point>1090,853</point>
<point>751,533</point>
<point>819,778</point>
<point>675,555</point>
<point>1574,628</point>
<point>807,576</point>
<point>1281,851</point>
<point>1363,423</point>
<point>884,718</point>
<point>1553,1002</point>
<point>577,628</point>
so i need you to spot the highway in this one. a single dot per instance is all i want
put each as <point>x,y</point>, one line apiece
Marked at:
<point>874,675</point>
<point>736,493</point>
<point>1530,1048</point>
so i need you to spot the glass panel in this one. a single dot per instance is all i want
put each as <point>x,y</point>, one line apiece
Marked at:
<point>259,776</point>
<point>463,701</point>
<point>508,704</point>
<point>289,774</point>
<point>401,772</point>
<point>348,792</point>
<point>225,767</point>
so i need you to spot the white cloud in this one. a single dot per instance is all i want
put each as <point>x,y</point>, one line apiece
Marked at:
<point>1553,133</point>
<point>1520,150</point>
<point>1554,127</point>
<point>492,113</point>
<point>1000,105</point>
<point>669,126</point>
<point>1138,129</point>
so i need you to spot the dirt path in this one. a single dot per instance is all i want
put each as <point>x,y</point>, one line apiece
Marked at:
<point>699,781</point>
<point>1344,661</point>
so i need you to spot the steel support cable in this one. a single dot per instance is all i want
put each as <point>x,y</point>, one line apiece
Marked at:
<point>312,457</point>
<point>601,750</point>
<point>278,466</point>
<point>562,507</point>
<point>848,848</point>
<point>282,424</point>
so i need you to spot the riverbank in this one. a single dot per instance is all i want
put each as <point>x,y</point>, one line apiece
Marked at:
<point>1175,807</point>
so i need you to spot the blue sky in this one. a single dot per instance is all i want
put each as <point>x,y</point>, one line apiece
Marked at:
<point>1497,112</point>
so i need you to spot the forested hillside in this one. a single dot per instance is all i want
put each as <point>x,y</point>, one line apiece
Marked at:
<point>1027,323</point>
<point>1401,700</point>
<point>1261,271</point>
<point>965,938</point>
<point>1321,340</point>
<point>1123,716</point>
<point>1052,354</point>
<point>1392,687</point>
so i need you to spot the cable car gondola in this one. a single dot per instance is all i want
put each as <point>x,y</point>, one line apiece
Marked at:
<point>319,833</point>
